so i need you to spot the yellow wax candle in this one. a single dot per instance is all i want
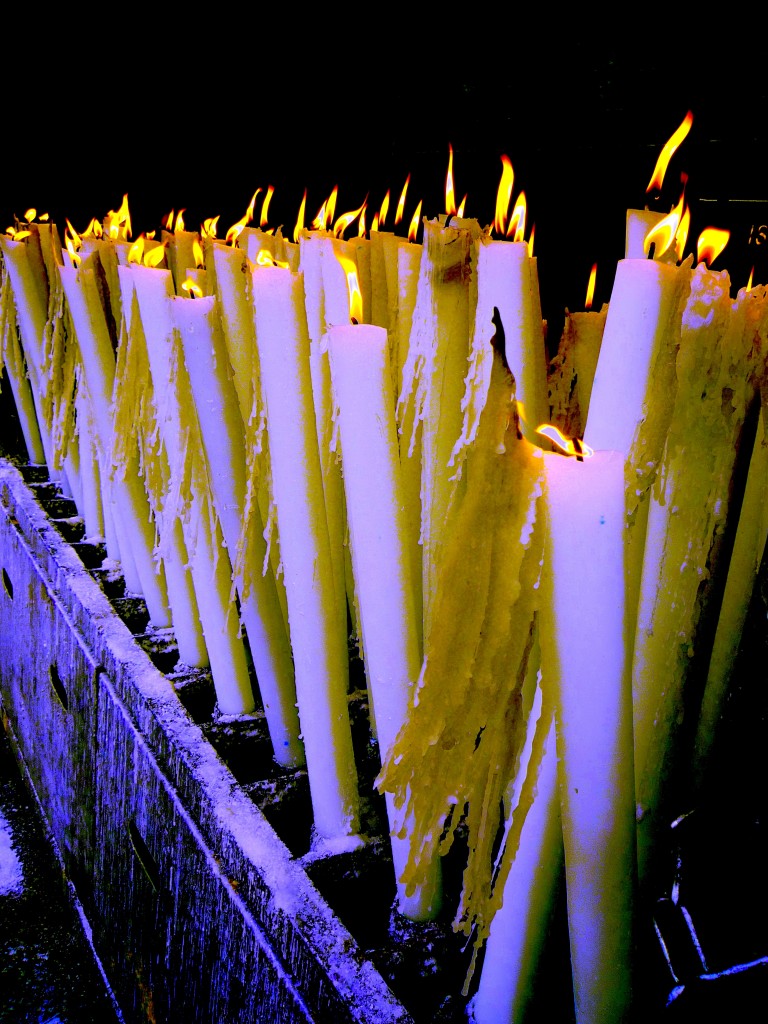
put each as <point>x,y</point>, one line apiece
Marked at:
<point>12,358</point>
<point>686,522</point>
<point>222,432</point>
<point>748,549</point>
<point>361,378</point>
<point>437,358</point>
<point>178,422</point>
<point>236,313</point>
<point>585,658</point>
<point>130,507</point>
<point>318,631</point>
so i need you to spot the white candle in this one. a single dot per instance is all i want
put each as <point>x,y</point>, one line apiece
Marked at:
<point>222,431</point>
<point>362,385</point>
<point>584,655</point>
<point>12,358</point>
<point>318,631</point>
<point>130,507</point>
<point>177,421</point>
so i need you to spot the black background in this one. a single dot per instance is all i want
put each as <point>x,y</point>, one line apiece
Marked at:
<point>178,112</point>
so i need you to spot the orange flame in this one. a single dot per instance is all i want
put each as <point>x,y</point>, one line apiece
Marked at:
<point>567,445</point>
<point>235,231</point>
<point>530,241</point>
<point>44,217</point>
<point>73,242</point>
<point>118,222</point>
<point>749,281</point>
<point>384,209</point>
<point>154,257</point>
<point>375,223</point>
<point>264,258</point>
<point>30,215</point>
<point>591,287</point>
<point>353,287</point>
<point>179,225</point>
<point>18,235</point>
<point>516,226</point>
<point>361,225</point>
<point>666,154</point>
<point>324,216</point>
<point>711,243</point>
<point>665,233</point>
<point>265,206</point>
<point>504,194</point>
<point>136,251</point>
<point>300,218</point>
<point>450,198</point>
<point>462,204</point>
<point>167,221</point>
<point>94,229</point>
<point>414,227</point>
<point>346,219</point>
<point>193,289</point>
<point>209,227</point>
<point>197,252</point>
<point>401,201</point>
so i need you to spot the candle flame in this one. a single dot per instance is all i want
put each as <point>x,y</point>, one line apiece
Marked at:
<point>18,235</point>
<point>749,280</point>
<point>383,210</point>
<point>346,219</point>
<point>401,201</point>
<point>265,206</point>
<point>681,235</point>
<point>665,233</point>
<point>530,241</point>
<point>44,217</point>
<point>193,289</point>
<point>375,223</point>
<point>300,218</point>
<point>73,242</point>
<point>450,198</point>
<point>361,223</point>
<point>504,194</point>
<point>516,226</point>
<point>710,244</point>
<point>462,204</point>
<point>94,229</point>
<point>236,230</point>
<point>209,227</point>
<point>197,252</point>
<point>666,154</point>
<point>567,445</point>
<point>414,226</point>
<point>179,225</point>
<point>136,251</point>
<point>154,257</point>
<point>264,258</point>
<point>117,223</point>
<point>324,216</point>
<point>30,214</point>
<point>167,221</point>
<point>353,287</point>
<point>591,287</point>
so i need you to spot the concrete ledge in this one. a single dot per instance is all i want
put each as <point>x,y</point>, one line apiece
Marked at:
<point>199,911</point>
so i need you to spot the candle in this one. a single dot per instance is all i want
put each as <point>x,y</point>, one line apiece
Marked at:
<point>433,379</point>
<point>362,384</point>
<point>461,743</point>
<point>222,432</point>
<point>572,371</point>
<point>585,658</point>
<point>12,359</point>
<point>130,507</point>
<point>639,224</point>
<point>193,504</point>
<point>687,518</point>
<point>743,568</point>
<point>318,630</point>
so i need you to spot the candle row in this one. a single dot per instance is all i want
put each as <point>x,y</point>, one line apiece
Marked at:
<point>261,454</point>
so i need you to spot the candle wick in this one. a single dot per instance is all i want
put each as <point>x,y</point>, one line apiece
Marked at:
<point>354,320</point>
<point>651,250</point>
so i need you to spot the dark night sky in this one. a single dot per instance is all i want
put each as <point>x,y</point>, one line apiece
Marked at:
<point>582,122</point>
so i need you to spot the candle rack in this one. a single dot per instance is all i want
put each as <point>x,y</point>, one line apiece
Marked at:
<point>189,849</point>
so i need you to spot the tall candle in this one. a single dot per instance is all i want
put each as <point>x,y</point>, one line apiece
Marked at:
<point>12,359</point>
<point>221,425</point>
<point>362,385</point>
<point>178,423</point>
<point>130,507</point>
<point>585,657</point>
<point>318,631</point>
